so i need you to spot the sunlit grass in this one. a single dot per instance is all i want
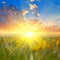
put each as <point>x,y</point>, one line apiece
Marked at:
<point>12,48</point>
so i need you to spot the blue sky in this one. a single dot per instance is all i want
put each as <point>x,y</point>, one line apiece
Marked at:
<point>46,8</point>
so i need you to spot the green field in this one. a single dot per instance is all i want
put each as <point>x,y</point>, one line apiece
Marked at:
<point>10,49</point>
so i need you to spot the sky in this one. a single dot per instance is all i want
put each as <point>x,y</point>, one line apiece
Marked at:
<point>47,11</point>
<point>46,8</point>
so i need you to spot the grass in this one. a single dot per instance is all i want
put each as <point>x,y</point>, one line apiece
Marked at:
<point>10,49</point>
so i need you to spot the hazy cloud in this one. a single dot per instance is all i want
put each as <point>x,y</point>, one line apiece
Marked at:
<point>32,0</point>
<point>24,12</point>
<point>33,6</point>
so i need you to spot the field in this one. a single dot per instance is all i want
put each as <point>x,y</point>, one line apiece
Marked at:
<point>12,49</point>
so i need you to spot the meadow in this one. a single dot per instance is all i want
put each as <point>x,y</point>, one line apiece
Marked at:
<point>12,49</point>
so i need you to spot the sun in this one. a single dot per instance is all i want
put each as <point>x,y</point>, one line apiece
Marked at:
<point>28,37</point>
<point>29,34</point>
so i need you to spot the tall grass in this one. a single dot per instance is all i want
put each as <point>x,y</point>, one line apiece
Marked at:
<point>10,49</point>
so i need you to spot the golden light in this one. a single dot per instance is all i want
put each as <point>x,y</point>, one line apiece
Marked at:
<point>29,34</point>
<point>28,38</point>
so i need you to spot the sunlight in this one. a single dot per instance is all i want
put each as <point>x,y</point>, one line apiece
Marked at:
<point>29,34</point>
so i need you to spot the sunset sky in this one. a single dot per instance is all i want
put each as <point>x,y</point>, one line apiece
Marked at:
<point>46,11</point>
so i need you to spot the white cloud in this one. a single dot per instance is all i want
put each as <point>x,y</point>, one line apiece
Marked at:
<point>37,14</point>
<point>58,17</point>
<point>24,12</point>
<point>33,6</point>
<point>32,0</point>
<point>3,2</point>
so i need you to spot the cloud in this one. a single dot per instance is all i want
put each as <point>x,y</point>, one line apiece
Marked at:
<point>35,0</point>
<point>58,23</point>
<point>33,6</point>
<point>32,0</point>
<point>52,23</point>
<point>24,12</point>
<point>9,18</point>
<point>58,17</point>
<point>3,2</point>
<point>52,29</point>
<point>37,14</point>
